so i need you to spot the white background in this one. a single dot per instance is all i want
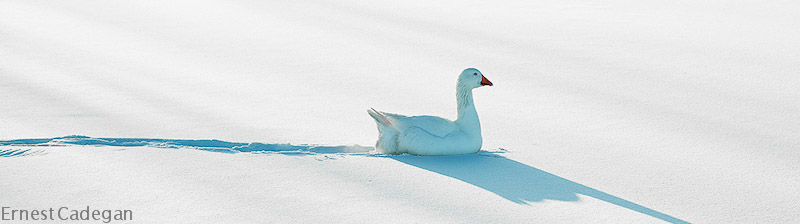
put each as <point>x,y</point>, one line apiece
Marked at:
<point>687,108</point>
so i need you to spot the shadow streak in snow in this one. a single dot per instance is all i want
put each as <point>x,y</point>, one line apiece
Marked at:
<point>20,152</point>
<point>205,145</point>
<point>518,182</point>
<point>504,177</point>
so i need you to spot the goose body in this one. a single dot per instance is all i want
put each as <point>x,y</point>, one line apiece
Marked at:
<point>431,135</point>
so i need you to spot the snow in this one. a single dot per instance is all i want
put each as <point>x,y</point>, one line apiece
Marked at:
<point>601,112</point>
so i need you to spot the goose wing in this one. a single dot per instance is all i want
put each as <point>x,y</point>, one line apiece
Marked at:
<point>436,126</point>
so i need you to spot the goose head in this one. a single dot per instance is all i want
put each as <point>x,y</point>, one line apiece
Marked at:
<point>472,78</point>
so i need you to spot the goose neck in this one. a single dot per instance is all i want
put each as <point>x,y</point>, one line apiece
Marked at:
<point>467,115</point>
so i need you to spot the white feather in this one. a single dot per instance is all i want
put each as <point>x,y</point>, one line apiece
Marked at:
<point>430,135</point>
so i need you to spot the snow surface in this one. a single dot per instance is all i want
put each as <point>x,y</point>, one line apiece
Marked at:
<point>601,112</point>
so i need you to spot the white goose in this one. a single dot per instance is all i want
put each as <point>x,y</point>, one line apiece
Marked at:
<point>435,136</point>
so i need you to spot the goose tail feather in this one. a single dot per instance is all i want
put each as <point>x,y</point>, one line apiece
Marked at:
<point>380,118</point>
<point>388,139</point>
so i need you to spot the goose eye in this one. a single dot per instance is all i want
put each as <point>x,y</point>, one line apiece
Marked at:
<point>475,73</point>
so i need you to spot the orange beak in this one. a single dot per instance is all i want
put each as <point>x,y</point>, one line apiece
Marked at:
<point>485,82</point>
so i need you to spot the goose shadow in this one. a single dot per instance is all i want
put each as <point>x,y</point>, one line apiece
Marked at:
<point>493,172</point>
<point>518,182</point>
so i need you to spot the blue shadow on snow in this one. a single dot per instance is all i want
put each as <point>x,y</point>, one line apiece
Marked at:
<point>504,177</point>
<point>205,145</point>
<point>518,182</point>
